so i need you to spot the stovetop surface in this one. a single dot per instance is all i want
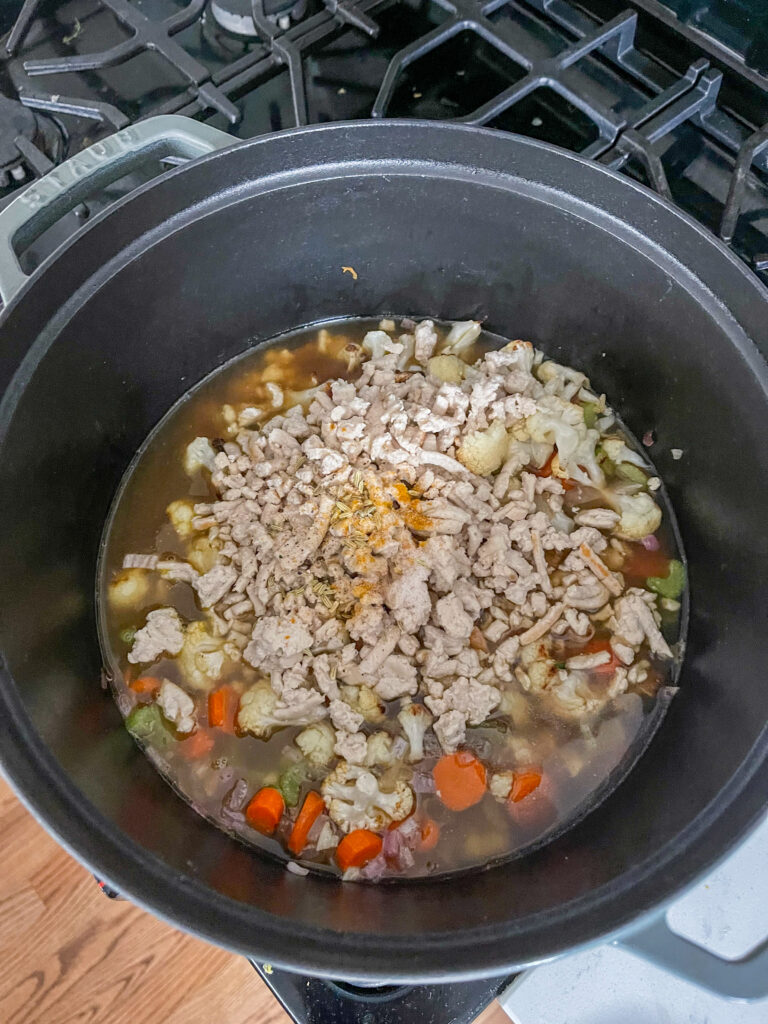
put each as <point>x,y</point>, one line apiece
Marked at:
<point>626,84</point>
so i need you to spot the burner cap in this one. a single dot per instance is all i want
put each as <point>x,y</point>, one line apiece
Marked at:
<point>15,120</point>
<point>235,15</point>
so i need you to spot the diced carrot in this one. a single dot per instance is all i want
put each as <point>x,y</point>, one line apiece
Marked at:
<point>310,811</point>
<point>357,849</point>
<point>217,706</point>
<point>595,646</point>
<point>523,784</point>
<point>230,715</point>
<point>459,780</point>
<point>546,469</point>
<point>146,684</point>
<point>430,833</point>
<point>265,810</point>
<point>197,745</point>
<point>222,708</point>
<point>641,563</point>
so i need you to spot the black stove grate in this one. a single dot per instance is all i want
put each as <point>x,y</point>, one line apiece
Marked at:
<point>599,77</point>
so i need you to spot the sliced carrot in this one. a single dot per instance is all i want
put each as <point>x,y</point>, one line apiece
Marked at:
<point>217,707</point>
<point>310,811</point>
<point>430,833</point>
<point>358,848</point>
<point>523,784</point>
<point>146,684</point>
<point>459,780</point>
<point>265,810</point>
<point>198,744</point>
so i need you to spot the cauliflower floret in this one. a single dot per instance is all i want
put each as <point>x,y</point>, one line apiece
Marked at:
<point>537,668</point>
<point>199,455</point>
<point>202,657</point>
<point>162,634</point>
<point>483,451</point>
<point>365,700</point>
<point>640,515</point>
<point>177,706</point>
<point>524,354</point>
<point>572,695</point>
<point>617,452</point>
<point>500,785</point>
<point>450,729</point>
<point>261,713</point>
<point>316,743</point>
<point>129,588</point>
<point>562,423</point>
<point>461,336</point>
<point>415,720</point>
<point>561,380</point>
<point>351,746</point>
<point>354,800</point>
<point>345,717</point>
<point>201,554</point>
<point>397,678</point>
<point>379,749</point>
<point>425,339</point>
<point>379,344</point>
<point>447,369</point>
<point>181,513</point>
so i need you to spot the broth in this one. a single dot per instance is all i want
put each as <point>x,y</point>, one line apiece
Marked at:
<point>577,759</point>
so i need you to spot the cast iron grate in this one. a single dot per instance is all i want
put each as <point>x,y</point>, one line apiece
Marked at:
<point>551,69</point>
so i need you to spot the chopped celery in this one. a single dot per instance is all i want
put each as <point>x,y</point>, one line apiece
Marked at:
<point>128,635</point>
<point>670,586</point>
<point>632,473</point>
<point>290,782</point>
<point>146,723</point>
<point>591,412</point>
<point>607,465</point>
<point>492,723</point>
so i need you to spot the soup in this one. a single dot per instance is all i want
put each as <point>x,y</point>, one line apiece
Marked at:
<point>391,599</point>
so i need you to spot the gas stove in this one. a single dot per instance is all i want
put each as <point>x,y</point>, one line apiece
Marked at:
<point>673,95</point>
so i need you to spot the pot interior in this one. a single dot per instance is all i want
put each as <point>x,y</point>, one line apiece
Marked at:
<point>160,317</point>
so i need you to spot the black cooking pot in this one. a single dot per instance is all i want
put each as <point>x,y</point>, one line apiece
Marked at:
<point>435,220</point>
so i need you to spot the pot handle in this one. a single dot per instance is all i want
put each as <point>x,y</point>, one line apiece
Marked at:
<point>746,978</point>
<point>45,201</point>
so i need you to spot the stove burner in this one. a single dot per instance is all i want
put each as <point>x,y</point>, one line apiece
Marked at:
<point>28,142</point>
<point>236,16</point>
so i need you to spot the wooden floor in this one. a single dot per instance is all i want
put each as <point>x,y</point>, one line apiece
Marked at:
<point>69,955</point>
